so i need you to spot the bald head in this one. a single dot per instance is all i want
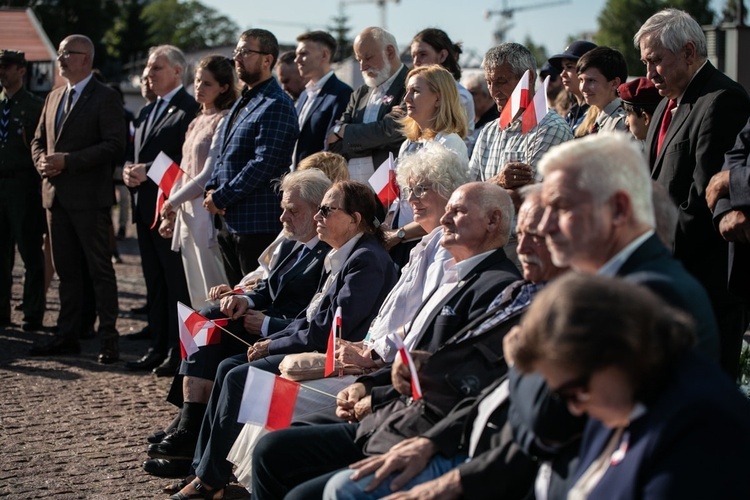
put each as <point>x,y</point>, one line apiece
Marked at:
<point>75,58</point>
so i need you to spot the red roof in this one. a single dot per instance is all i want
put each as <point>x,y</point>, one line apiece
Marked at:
<point>21,30</point>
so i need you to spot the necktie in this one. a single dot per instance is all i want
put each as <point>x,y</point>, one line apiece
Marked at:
<point>154,115</point>
<point>66,107</point>
<point>665,121</point>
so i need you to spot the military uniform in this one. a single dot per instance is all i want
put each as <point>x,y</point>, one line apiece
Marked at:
<point>21,213</point>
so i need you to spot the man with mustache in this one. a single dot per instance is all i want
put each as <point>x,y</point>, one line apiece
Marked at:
<point>367,131</point>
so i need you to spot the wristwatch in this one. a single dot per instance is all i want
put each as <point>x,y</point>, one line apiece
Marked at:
<point>401,234</point>
<point>337,129</point>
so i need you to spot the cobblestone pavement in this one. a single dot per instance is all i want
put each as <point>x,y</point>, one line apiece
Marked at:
<point>70,427</point>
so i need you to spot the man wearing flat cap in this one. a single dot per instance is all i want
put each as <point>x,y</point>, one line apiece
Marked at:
<point>21,213</point>
<point>639,100</point>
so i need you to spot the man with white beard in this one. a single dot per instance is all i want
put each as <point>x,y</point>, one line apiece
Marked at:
<point>368,131</point>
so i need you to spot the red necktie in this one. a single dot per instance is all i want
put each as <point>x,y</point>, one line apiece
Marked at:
<point>665,121</point>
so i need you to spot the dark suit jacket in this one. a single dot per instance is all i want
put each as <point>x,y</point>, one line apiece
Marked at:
<point>735,161</point>
<point>167,134</point>
<point>712,111</point>
<point>93,135</point>
<point>283,298</point>
<point>360,287</point>
<point>378,138</point>
<point>691,443</point>
<point>326,109</point>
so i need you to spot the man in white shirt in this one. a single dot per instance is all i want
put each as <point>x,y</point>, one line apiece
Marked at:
<point>368,131</point>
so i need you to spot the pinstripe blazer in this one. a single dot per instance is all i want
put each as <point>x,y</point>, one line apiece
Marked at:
<point>256,148</point>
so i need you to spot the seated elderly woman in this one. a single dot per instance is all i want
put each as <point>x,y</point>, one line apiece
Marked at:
<point>664,422</point>
<point>360,275</point>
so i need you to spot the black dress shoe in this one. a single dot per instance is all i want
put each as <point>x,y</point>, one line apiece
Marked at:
<point>170,365</point>
<point>178,445</point>
<point>56,346</point>
<point>109,351</point>
<point>149,361</point>
<point>144,334</point>
<point>156,437</point>
<point>167,468</point>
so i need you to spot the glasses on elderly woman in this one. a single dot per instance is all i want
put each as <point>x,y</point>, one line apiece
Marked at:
<point>570,392</point>
<point>326,210</point>
<point>419,190</point>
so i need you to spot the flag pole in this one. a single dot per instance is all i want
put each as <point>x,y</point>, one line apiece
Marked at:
<point>338,337</point>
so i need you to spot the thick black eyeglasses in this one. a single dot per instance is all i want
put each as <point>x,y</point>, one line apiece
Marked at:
<point>325,210</point>
<point>569,391</point>
<point>67,53</point>
<point>419,190</point>
<point>243,52</point>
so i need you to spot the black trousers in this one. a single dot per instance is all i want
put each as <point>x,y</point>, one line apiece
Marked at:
<point>240,252</point>
<point>296,463</point>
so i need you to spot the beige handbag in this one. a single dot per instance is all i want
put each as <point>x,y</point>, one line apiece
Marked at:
<point>311,366</point>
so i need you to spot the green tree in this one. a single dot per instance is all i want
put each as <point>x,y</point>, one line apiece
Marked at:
<point>126,39</point>
<point>538,51</point>
<point>189,25</point>
<point>729,12</point>
<point>340,31</point>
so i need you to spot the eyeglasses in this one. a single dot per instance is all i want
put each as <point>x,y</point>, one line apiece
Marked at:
<point>419,190</point>
<point>243,52</point>
<point>325,210</point>
<point>569,392</point>
<point>65,54</point>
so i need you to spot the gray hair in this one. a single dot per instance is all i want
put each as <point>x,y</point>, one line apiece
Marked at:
<point>475,81</point>
<point>673,28</point>
<point>171,53</point>
<point>383,37</point>
<point>311,184</point>
<point>605,163</point>
<point>516,55</point>
<point>492,197</point>
<point>82,39</point>
<point>435,164</point>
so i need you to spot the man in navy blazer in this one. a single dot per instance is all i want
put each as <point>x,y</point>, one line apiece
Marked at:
<point>368,130</point>
<point>255,147</point>
<point>708,109</point>
<point>161,127</point>
<point>79,138</point>
<point>325,97</point>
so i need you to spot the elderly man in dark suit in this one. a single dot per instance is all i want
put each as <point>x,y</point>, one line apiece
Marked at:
<point>255,146</point>
<point>161,127</point>
<point>692,128</point>
<point>80,137</point>
<point>324,99</point>
<point>368,131</point>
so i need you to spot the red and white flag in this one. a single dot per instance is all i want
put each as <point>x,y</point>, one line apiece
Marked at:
<point>518,101</point>
<point>537,110</point>
<point>416,388</point>
<point>383,182</point>
<point>336,332</point>
<point>164,172</point>
<point>268,400</point>
<point>196,330</point>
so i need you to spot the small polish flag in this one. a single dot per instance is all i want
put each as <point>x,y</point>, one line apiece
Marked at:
<point>416,388</point>
<point>196,330</point>
<point>518,101</point>
<point>268,400</point>
<point>383,182</point>
<point>164,172</point>
<point>537,110</point>
<point>331,350</point>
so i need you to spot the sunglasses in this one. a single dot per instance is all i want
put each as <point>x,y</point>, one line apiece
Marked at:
<point>570,392</point>
<point>325,210</point>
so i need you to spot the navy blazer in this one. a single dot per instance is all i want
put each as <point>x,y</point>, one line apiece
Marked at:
<point>735,161</point>
<point>167,135</point>
<point>283,297</point>
<point>712,111</point>
<point>327,107</point>
<point>692,441</point>
<point>359,289</point>
<point>256,144</point>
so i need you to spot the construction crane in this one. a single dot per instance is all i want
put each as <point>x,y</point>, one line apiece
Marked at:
<point>381,5</point>
<point>504,25</point>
